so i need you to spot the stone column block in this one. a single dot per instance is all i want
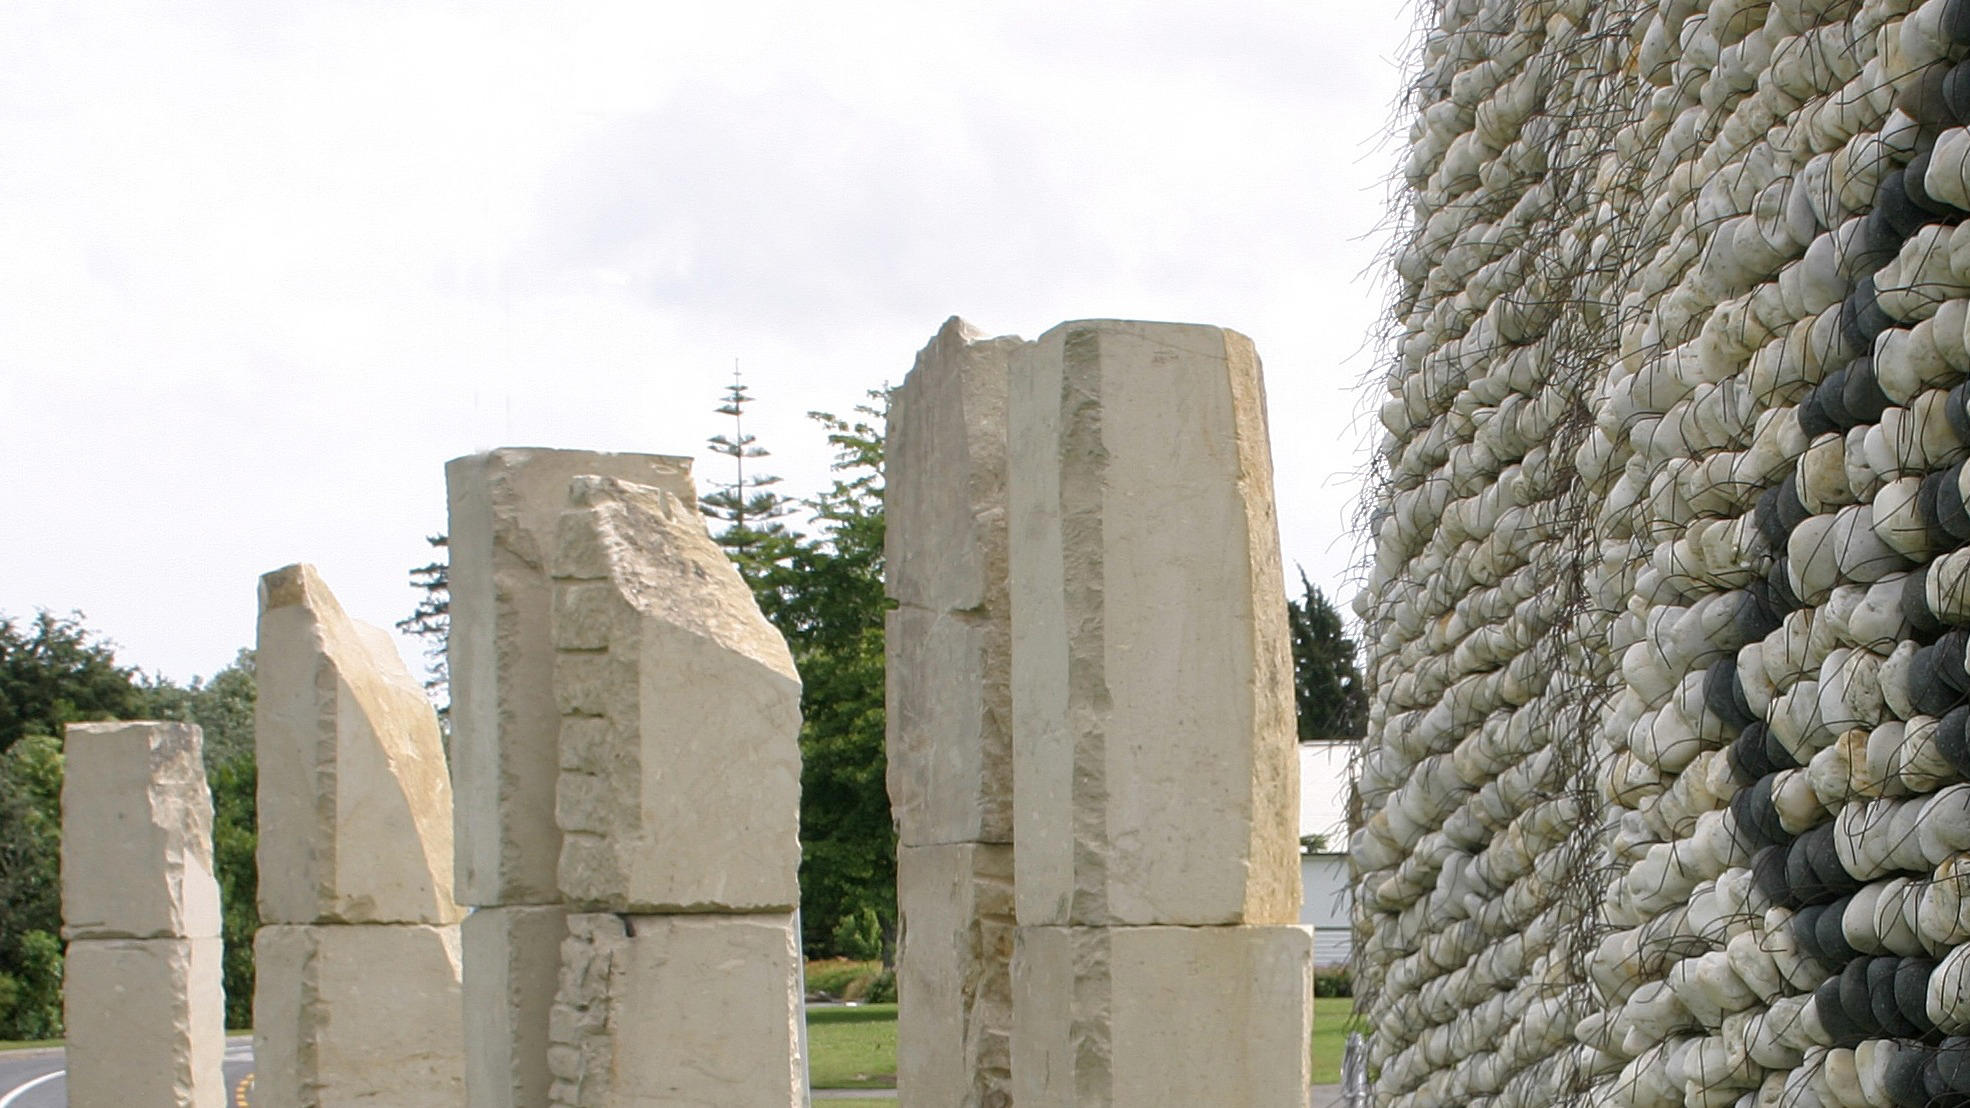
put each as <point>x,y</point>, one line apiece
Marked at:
<point>678,1010</point>
<point>1115,1016</point>
<point>364,1014</point>
<point>146,1022</point>
<point>505,505</point>
<point>953,1034</point>
<point>680,759</point>
<point>137,833</point>
<point>1153,733</point>
<point>512,967</point>
<point>354,796</point>
<point>949,638</point>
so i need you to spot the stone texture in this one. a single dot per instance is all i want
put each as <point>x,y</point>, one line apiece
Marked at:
<point>354,797</point>
<point>680,763</point>
<point>949,638</point>
<point>505,505</point>
<point>678,1011</point>
<point>1153,731</point>
<point>955,936</point>
<point>137,833</point>
<point>1133,1016</point>
<point>146,1022</point>
<point>512,966</point>
<point>358,1015</point>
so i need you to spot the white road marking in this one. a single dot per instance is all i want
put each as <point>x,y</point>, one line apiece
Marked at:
<point>8,1100</point>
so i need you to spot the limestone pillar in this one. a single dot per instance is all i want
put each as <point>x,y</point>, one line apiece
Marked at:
<point>142,991</point>
<point>1155,773</point>
<point>357,997</point>
<point>950,721</point>
<point>504,745</point>
<point>678,801</point>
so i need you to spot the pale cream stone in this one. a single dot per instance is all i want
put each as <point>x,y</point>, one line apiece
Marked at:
<point>1155,759</point>
<point>505,505</point>
<point>954,1028</point>
<point>1108,1017</point>
<point>137,833</point>
<point>146,1022</point>
<point>354,796</point>
<point>678,1011</point>
<point>367,1014</point>
<point>949,639</point>
<point>512,966</point>
<point>680,759</point>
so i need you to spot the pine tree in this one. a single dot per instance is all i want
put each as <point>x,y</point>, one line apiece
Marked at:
<point>430,621</point>
<point>1327,685</point>
<point>746,505</point>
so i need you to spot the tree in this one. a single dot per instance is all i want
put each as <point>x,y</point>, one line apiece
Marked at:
<point>747,506</point>
<point>1327,687</point>
<point>55,672</point>
<point>827,599</point>
<point>30,888</point>
<point>430,621</point>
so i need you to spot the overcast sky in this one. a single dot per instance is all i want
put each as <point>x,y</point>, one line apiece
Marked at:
<point>265,265</point>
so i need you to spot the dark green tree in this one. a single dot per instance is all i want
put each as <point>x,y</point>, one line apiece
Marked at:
<point>827,599</point>
<point>747,505</point>
<point>54,671</point>
<point>30,888</point>
<point>1327,687</point>
<point>430,623</point>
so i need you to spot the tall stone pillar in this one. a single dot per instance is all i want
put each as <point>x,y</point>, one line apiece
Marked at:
<point>678,801</point>
<point>950,721</point>
<point>1158,960</point>
<point>357,994</point>
<point>505,745</point>
<point>142,993</point>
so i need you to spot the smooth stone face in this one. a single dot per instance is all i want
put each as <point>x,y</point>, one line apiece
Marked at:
<point>679,788</point>
<point>354,795</point>
<point>1155,756</point>
<point>512,966</point>
<point>146,1023</point>
<point>1124,1016</point>
<point>949,638</point>
<point>954,1028</point>
<point>366,1014</point>
<point>505,505</point>
<point>678,1010</point>
<point>137,833</point>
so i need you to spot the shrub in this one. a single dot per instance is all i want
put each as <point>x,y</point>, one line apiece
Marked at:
<point>841,978</point>
<point>1332,981</point>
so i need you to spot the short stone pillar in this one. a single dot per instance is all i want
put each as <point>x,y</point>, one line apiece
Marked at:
<point>357,992</point>
<point>143,993</point>
<point>505,743</point>
<point>678,801</point>
<point>950,722</point>
<point>1156,784</point>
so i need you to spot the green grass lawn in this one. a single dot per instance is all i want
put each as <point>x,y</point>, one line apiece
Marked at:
<point>852,1048</point>
<point>855,1048</point>
<point>1333,1018</point>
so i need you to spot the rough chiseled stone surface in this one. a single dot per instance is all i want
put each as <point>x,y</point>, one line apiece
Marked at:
<point>680,762</point>
<point>1154,690</point>
<point>146,1023</point>
<point>365,1014</point>
<point>949,637</point>
<point>1115,1016</point>
<point>505,505</point>
<point>354,796</point>
<point>512,967</point>
<point>1664,792</point>
<point>953,974</point>
<point>678,1010</point>
<point>137,841</point>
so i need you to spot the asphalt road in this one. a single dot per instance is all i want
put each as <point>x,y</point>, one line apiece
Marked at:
<point>35,1078</point>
